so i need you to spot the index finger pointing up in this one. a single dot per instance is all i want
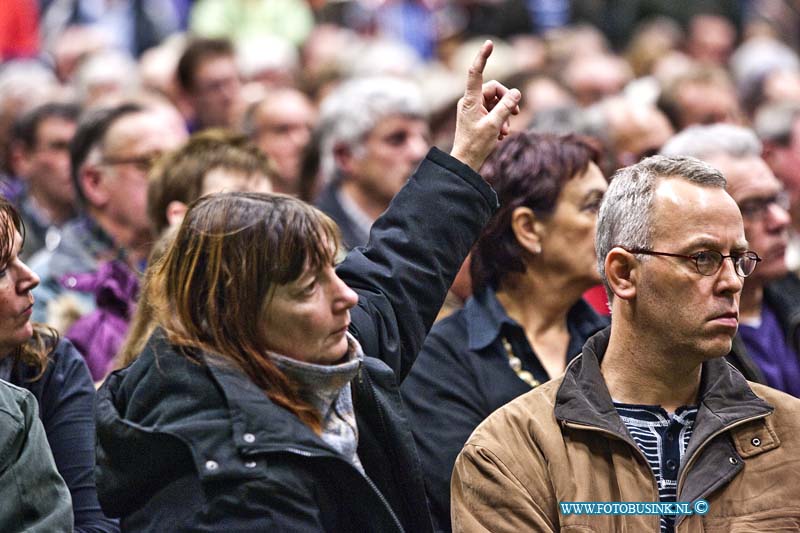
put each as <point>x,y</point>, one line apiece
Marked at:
<point>475,74</point>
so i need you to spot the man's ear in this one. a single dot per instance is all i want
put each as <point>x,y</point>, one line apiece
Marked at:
<point>175,212</point>
<point>94,185</point>
<point>622,273</point>
<point>528,229</point>
<point>18,160</point>
<point>344,157</point>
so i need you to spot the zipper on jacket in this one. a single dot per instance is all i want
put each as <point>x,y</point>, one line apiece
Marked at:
<point>372,485</point>
<point>363,378</point>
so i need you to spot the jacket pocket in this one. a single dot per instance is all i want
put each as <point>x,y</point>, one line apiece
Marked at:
<point>783,519</point>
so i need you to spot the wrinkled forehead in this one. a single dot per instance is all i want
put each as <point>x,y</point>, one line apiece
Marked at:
<point>683,212</point>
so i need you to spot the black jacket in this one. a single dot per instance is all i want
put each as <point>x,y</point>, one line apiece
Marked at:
<point>783,297</point>
<point>328,202</point>
<point>462,376</point>
<point>183,445</point>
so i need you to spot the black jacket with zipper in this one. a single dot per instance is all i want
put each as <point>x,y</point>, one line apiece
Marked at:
<point>188,443</point>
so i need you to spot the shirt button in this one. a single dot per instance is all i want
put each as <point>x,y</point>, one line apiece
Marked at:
<point>671,464</point>
<point>756,441</point>
<point>211,465</point>
<point>249,438</point>
<point>250,464</point>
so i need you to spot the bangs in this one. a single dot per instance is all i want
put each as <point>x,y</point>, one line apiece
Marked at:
<point>11,223</point>
<point>310,241</point>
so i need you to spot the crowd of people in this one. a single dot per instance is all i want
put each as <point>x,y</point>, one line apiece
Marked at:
<point>304,265</point>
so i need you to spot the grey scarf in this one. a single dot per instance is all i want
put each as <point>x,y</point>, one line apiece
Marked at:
<point>327,389</point>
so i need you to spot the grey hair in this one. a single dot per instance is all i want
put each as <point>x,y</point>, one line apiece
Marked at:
<point>354,108</point>
<point>774,122</point>
<point>704,142</point>
<point>625,213</point>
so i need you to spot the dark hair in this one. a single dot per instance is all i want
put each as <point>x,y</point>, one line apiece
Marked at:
<point>196,52</point>
<point>527,170</point>
<point>91,132</point>
<point>25,129</point>
<point>179,175</point>
<point>36,352</point>
<point>231,251</point>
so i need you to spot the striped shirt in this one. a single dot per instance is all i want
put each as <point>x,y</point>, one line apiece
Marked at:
<point>663,439</point>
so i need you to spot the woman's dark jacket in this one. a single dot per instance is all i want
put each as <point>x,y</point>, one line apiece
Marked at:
<point>195,446</point>
<point>462,376</point>
<point>66,394</point>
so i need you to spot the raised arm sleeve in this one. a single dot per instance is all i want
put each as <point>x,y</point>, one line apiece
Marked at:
<point>414,252</point>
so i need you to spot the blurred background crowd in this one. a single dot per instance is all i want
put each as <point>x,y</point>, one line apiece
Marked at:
<point>117,114</point>
<point>343,98</point>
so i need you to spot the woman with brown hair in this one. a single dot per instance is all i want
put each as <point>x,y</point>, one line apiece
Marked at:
<point>267,399</point>
<point>526,318</point>
<point>33,357</point>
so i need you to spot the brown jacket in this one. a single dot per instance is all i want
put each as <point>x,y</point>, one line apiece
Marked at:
<point>565,442</point>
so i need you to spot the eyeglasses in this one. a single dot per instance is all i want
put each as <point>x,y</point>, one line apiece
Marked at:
<point>708,262</point>
<point>142,163</point>
<point>753,208</point>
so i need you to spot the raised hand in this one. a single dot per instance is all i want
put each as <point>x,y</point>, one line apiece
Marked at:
<point>483,113</point>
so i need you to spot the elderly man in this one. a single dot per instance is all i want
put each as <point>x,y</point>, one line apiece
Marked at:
<point>368,151</point>
<point>650,411</point>
<point>766,347</point>
<point>280,124</point>
<point>778,127</point>
<point>110,157</point>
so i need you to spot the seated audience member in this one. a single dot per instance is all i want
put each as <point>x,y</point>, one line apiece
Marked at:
<point>766,346</point>
<point>110,157</point>
<point>254,405</point>
<point>33,497</point>
<point>368,151</point>
<point>33,357</point>
<point>209,80</point>
<point>281,124</point>
<point>650,411</point>
<point>526,319</point>
<point>778,127</point>
<point>212,161</point>
<point>704,95</point>
<point>40,149</point>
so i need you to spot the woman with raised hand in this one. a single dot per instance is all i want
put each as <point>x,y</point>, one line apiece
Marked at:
<point>267,398</point>
<point>526,318</point>
<point>32,356</point>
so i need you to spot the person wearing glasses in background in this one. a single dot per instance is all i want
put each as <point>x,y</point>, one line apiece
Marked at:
<point>767,345</point>
<point>650,411</point>
<point>110,157</point>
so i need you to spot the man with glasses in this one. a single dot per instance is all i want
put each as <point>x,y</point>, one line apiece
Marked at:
<point>110,157</point>
<point>767,345</point>
<point>650,411</point>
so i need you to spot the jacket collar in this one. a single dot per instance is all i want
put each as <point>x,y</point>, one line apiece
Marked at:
<point>486,319</point>
<point>583,397</point>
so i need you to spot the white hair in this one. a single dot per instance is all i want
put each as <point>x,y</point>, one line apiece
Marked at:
<point>354,108</point>
<point>707,141</point>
